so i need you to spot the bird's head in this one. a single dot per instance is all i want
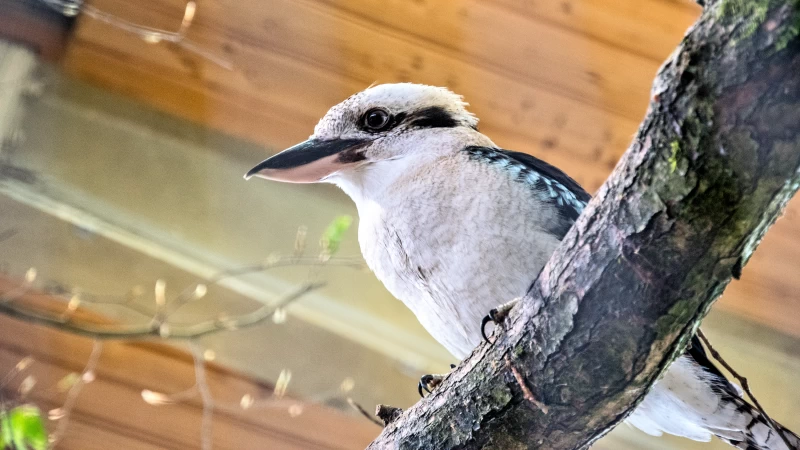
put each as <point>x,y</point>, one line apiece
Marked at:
<point>380,126</point>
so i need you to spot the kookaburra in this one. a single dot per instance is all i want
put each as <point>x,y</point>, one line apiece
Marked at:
<point>453,225</point>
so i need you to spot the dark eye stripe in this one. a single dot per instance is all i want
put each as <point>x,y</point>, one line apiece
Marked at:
<point>432,117</point>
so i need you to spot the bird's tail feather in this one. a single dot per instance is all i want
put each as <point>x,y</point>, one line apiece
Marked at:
<point>757,433</point>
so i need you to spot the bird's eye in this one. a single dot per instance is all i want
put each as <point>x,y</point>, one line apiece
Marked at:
<point>376,119</point>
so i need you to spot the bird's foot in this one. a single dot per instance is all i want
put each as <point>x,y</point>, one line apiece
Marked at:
<point>430,382</point>
<point>497,316</point>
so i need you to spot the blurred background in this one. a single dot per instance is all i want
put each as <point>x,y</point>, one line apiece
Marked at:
<point>125,128</point>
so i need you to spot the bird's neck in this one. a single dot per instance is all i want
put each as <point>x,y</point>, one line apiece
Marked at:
<point>376,181</point>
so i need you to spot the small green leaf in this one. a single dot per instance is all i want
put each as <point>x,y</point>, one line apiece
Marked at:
<point>24,428</point>
<point>5,430</point>
<point>334,234</point>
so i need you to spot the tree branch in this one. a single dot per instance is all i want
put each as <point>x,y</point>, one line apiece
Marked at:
<point>155,328</point>
<point>713,165</point>
<point>13,303</point>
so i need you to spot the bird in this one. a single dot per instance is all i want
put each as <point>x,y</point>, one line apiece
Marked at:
<point>454,225</point>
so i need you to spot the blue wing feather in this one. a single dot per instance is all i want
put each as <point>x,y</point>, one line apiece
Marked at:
<point>548,182</point>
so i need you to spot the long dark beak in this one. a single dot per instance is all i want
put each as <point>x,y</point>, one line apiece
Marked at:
<point>309,161</point>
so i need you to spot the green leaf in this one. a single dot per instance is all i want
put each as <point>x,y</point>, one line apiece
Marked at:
<point>24,428</point>
<point>333,235</point>
<point>5,430</point>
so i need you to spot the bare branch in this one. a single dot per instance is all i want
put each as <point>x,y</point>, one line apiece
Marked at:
<point>158,324</point>
<point>62,414</point>
<point>353,404</point>
<point>21,366</point>
<point>147,34</point>
<point>155,329</point>
<point>205,395</point>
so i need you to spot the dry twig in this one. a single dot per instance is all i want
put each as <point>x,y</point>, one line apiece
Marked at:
<point>62,414</point>
<point>148,34</point>
<point>353,404</point>
<point>526,392</point>
<point>205,396</point>
<point>158,324</point>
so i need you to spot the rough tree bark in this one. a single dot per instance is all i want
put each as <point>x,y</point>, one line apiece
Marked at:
<point>712,166</point>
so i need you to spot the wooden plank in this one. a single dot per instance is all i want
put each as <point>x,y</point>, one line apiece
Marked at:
<point>91,432</point>
<point>533,52</point>
<point>85,435</point>
<point>190,101</point>
<point>764,305</point>
<point>774,264</point>
<point>275,126</point>
<point>768,290</point>
<point>314,55</point>
<point>120,405</point>
<point>537,52</point>
<point>647,28</point>
<point>126,369</point>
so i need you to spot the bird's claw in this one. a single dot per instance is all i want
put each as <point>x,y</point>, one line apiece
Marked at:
<point>486,319</point>
<point>428,383</point>
<point>496,316</point>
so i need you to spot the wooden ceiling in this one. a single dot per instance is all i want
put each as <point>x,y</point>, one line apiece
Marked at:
<point>566,80</point>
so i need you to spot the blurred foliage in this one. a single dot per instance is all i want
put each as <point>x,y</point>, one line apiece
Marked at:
<point>22,428</point>
<point>333,235</point>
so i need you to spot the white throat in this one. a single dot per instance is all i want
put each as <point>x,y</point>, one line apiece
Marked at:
<point>402,157</point>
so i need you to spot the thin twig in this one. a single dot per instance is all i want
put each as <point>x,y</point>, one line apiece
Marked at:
<point>20,367</point>
<point>155,35</point>
<point>121,331</point>
<point>745,386</point>
<point>267,403</point>
<point>147,34</point>
<point>363,412</point>
<point>189,293</point>
<point>205,395</point>
<point>22,289</point>
<point>158,326</point>
<point>74,390</point>
<point>526,392</point>
<point>286,262</point>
